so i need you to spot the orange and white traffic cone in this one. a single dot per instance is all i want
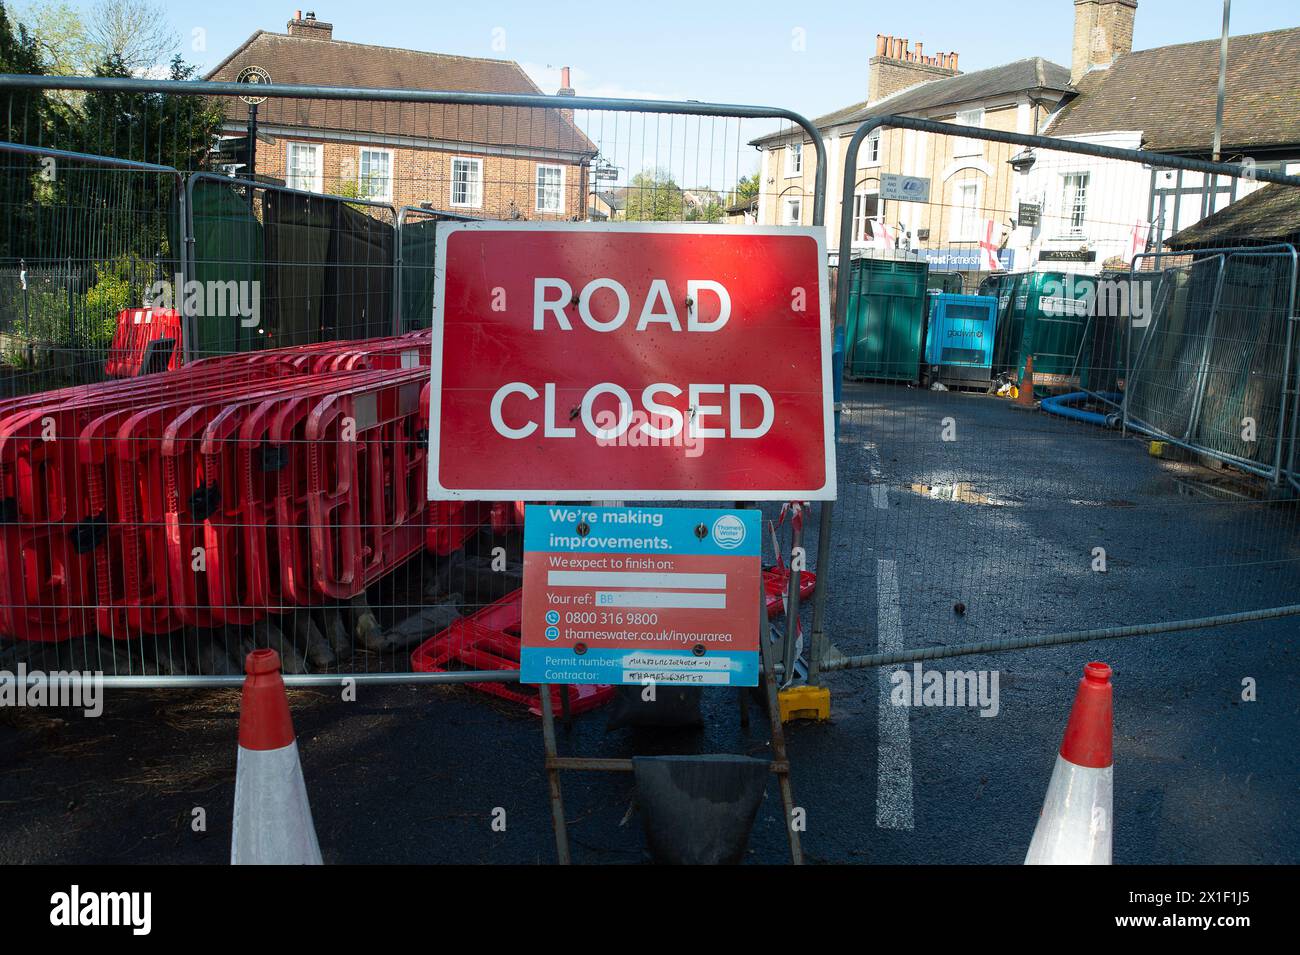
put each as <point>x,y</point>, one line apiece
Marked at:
<point>1025,392</point>
<point>272,817</point>
<point>1074,827</point>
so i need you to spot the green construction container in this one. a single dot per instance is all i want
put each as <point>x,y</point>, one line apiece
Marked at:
<point>1006,337</point>
<point>885,319</point>
<point>1045,314</point>
<point>229,245</point>
<point>1002,286</point>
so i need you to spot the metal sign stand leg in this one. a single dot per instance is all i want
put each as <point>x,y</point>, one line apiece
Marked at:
<point>553,778</point>
<point>780,761</point>
<point>780,764</point>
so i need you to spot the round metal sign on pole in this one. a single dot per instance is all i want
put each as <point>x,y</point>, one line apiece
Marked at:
<point>253,74</point>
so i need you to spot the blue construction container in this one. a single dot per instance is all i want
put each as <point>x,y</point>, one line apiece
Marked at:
<point>959,342</point>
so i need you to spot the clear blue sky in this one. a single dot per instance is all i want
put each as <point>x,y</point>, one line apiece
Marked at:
<point>738,53</point>
<point>729,52</point>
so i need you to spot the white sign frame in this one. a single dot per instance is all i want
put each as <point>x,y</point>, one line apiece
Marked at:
<point>436,492</point>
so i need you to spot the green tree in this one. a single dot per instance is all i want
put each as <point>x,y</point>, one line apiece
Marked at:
<point>748,187</point>
<point>26,116</point>
<point>167,129</point>
<point>96,220</point>
<point>710,211</point>
<point>134,31</point>
<point>60,35</point>
<point>655,197</point>
<point>25,112</point>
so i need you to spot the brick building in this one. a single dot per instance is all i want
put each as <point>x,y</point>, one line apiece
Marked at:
<point>970,183</point>
<point>480,161</point>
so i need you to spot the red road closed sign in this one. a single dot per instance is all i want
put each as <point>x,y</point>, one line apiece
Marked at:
<point>578,361</point>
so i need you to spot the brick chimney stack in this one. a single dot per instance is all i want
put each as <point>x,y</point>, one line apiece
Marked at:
<point>896,66</point>
<point>310,27</point>
<point>566,88</point>
<point>1103,30</point>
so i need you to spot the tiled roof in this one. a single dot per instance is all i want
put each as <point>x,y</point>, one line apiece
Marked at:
<point>1269,214</point>
<point>309,61</point>
<point>1028,74</point>
<point>1169,93</point>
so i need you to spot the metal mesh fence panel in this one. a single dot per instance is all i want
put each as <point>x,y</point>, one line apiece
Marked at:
<point>216,331</point>
<point>998,477</point>
<point>1168,365</point>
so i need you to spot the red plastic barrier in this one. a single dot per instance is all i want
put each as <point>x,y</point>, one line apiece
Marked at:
<point>449,524</point>
<point>776,581</point>
<point>106,490</point>
<point>56,518</point>
<point>396,352</point>
<point>192,375</point>
<point>489,640</point>
<point>136,329</point>
<point>258,552</point>
<point>43,582</point>
<point>507,515</point>
<point>367,481</point>
<point>100,466</point>
<point>148,485</point>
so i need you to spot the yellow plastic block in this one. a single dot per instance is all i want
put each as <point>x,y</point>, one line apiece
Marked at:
<point>804,703</point>
<point>1168,451</point>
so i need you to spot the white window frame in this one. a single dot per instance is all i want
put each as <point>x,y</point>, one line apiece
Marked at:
<point>860,218</point>
<point>475,200</point>
<point>788,203</point>
<point>387,194</point>
<point>873,148</point>
<point>291,180</point>
<point>955,231</point>
<point>794,160</point>
<point>962,146</point>
<point>537,189</point>
<point>1070,203</point>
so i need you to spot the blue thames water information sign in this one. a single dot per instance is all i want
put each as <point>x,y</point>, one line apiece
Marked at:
<point>641,595</point>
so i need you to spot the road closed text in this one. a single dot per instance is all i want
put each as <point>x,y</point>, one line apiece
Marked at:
<point>713,410</point>
<point>706,403</point>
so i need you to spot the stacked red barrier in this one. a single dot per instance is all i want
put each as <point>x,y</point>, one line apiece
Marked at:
<point>136,329</point>
<point>219,492</point>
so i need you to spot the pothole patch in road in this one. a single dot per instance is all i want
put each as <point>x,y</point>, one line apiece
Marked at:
<point>963,492</point>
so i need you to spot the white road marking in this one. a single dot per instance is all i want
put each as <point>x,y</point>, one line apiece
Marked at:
<point>879,490</point>
<point>894,733</point>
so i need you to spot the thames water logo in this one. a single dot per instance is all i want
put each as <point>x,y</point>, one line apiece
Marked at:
<point>729,531</point>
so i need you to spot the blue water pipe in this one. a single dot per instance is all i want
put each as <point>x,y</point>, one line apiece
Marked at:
<point>1062,405</point>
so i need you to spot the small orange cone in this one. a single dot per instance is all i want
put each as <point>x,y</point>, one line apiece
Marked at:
<point>272,823</point>
<point>1074,827</point>
<point>1025,395</point>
